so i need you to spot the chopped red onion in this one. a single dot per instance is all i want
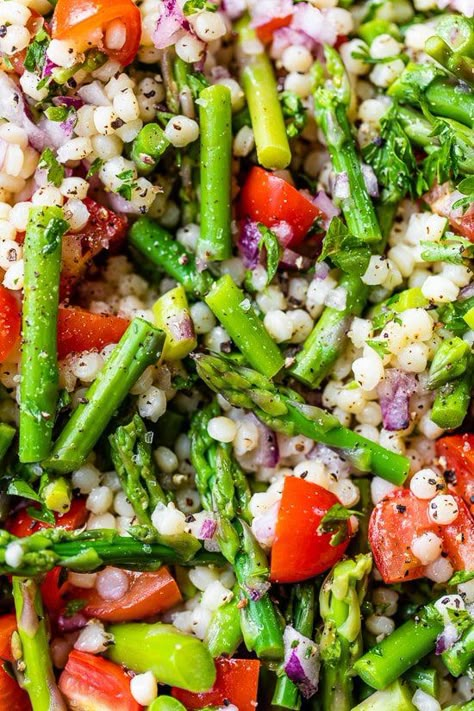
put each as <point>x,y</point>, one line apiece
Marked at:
<point>266,10</point>
<point>257,589</point>
<point>14,108</point>
<point>72,623</point>
<point>293,260</point>
<point>340,188</point>
<point>446,639</point>
<point>266,453</point>
<point>71,102</point>
<point>395,392</point>
<point>234,8</point>
<point>314,23</point>
<point>171,25</point>
<point>321,270</point>
<point>264,525</point>
<point>327,207</point>
<point>301,662</point>
<point>466,292</point>
<point>249,238</point>
<point>370,180</point>
<point>94,94</point>
<point>48,68</point>
<point>119,204</point>
<point>181,326</point>
<point>208,530</point>
<point>112,583</point>
<point>284,232</point>
<point>334,463</point>
<point>219,72</point>
<point>286,37</point>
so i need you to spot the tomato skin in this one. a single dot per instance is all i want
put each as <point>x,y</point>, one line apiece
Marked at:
<point>10,322</point>
<point>22,524</point>
<point>399,518</point>
<point>148,594</point>
<point>299,550</point>
<point>458,451</point>
<point>80,330</point>
<point>79,20</point>
<point>441,199</point>
<point>12,696</point>
<point>93,683</point>
<point>237,682</point>
<point>269,199</point>
<point>104,230</point>
<point>265,31</point>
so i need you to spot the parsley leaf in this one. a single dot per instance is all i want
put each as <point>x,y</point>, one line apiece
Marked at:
<point>18,487</point>
<point>344,250</point>
<point>36,53</point>
<point>294,112</point>
<point>380,347</point>
<point>335,521</point>
<point>128,184</point>
<point>192,6</point>
<point>451,248</point>
<point>466,187</point>
<point>57,113</point>
<point>55,169</point>
<point>270,241</point>
<point>392,159</point>
<point>441,164</point>
<point>452,315</point>
<point>94,168</point>
<point>55,229</point>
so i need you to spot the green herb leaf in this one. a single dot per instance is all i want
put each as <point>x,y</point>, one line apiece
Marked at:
<point>36,53</point>
<point>462,576</point>
<point>270,241</point>
<point>344,250</point>
<point>56,228</point>
<point>43,514</point>
<point>451,248</point>
<point>443,163</point>
<point>294,113</point>
<point>466,187</point>
<point>335,521</point>
<point>192,6</point>
<point>380,347</point>
<point>452,315</point>
<point>55,169</point>
<point>57,113</point>
<point>128,184</point>
<point>20,488</point>
<point>95,166</point>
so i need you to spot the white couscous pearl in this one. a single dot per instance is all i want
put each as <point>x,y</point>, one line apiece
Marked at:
<point>371,414</point>
<point>353,64</point>
<point>190,49</point>
<point>237,96</point>
<point>385,74</point>
<point>106,520</point>
<point>427,547</point>
<point>443,509</point>
<point>122,505</point>
<point>379,488</point>
<point>74,188</point>
<point>181,130</point>
<point>414,358</point>
<point>417,324</point>
<point>166,459</point>
<point>341,19</point>
<point>425,226</point>
<point>246,438</point>
<point>271,299</point>
<point>168,520</point>
<point>376,272</point>
<point>439,571</point>
<point>152,404</point>
<point>300,84</point>
<point>440,289</point>
<point>99,500</point>
<point>425,702</point>
<point>87,366</point>
<point>14,276</point>
<point>201,576</point>
<point>222,429</point>
<point>380,625</point>
<point>351,400</point>
<point>216,595</point>
<point>384,46</point>
<point>144,688</point>
<point>313,471</point>
<point>279,327</point>
<point>385,600</point>
<point>346,491</point>
<point>297,58</point>
<point>203,318</point>
<point>244,142</point>
<point>302,325</point>
<point>209,26</point>
<point>416,36</point>
<point>426,484</point>
<point>74,149</point>
<point>368,371</point>
<point>86,478</point>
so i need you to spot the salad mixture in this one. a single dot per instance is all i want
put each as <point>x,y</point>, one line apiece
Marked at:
<point>236,355</point>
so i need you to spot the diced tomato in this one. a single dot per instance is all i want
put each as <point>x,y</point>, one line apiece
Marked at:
<point>236,682</point>
<point>398,519</point>
<point>10,322</point>
<point>395,522</point>
<point>12,696</point>
<point>148,594</point>
<point>104,230</point>
<point>86,23</point>
<point>93,683</point>
<point>80,330</point>
<point>265,31</point>
<point>441,199</point>
<point>53,590</point>
<point>22,524</point>
<point>268,199</point>
<point>300,551</point>
<point>458,451</point>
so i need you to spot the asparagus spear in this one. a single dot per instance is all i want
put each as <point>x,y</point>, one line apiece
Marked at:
<point>341,640</point>
<point>172,315</point>
<point>453,46</point>
<point>424,678</point>
<point>138,348</point>
<point>449,362</point>
<point>215,114</point>
<point>7,434</point>
<point>460,657</point>
<point>148,147</point>
<point>86,551</point>
<point>281,410</point>
<point>164,252</point>
<point>324,344</point>
<point>261,92</point>
<point>224,634</point>
<point>451,403</point>
<point>39,367</point>
<point>401,650</point>
<point>35,662</point>
<point>331,101</point>
<point>396,697</point>
<point>224,491</point>
<point>300,615</point>
<point>230,305</point>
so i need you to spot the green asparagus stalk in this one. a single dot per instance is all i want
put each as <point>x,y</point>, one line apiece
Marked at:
<point>341,640</point>
<point>281,410</point>
<point>168,255</point>
<point>133,461</point>
<point>171,312</point>
<point>396,697</point>
<point>139,347</point>
<point>453,46</point>
<point>406,646</point>
<point>224,491</point>
<point>261,92</point>
<point>90,550</point>
<point>233,309</point>
<point>424,678</point>
<point>361,542</point>
<point>39,366</point>
<point>331,101</point>
<point>451,403</point>
<point>324,344</point>
<point>460,657</point>
<point>166,703</point>
<point>148,147</point>
<point>35,662</point>
<point>215,115</point>
<point>300,615</point>
<point>224,634</point>
<point>450,361</point>
<point>174,658</point>
<point>7,434</point>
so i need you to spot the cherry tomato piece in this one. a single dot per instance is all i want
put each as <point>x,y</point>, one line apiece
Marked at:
<point>80,330</point>
<point>12,696</point>
<point>10,322</point>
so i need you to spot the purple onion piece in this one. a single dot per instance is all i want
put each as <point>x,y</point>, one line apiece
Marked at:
<point>14,108</point>
<point>257,589</point>
<point>73,623</point>
<point>370,180</point>
<point>314,23</point>
<point>446,639</point>
<point>327,207</point>
<point>301,662</point>
<point>48,68</point>
<point>249,239</point>
<point>266,452</point>
<point>70,102</point>
<point>466,292</point>
<point>292,260</point>
<point>394,393</point>
<point>171,25</point>
<point>181,326</point>
<point>208,529</point>
<point>266,10</point>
